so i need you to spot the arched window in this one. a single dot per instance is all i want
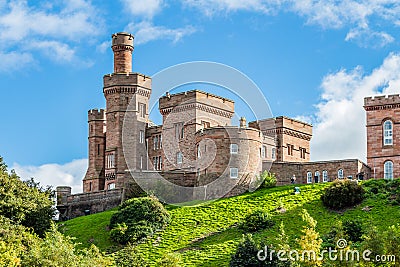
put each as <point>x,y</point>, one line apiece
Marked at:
<point>340,174</point>
<point>309,177</point>
<point>234,148</point>
<point>388,133</point>
<point>325,176</point>
<point>388,168</point>
<point>316,176</point>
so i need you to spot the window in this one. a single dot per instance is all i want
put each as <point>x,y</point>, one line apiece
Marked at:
<point>179,130</point>
<point>111,186</point>
<point>233,172</point>
<point>90,186</point>
<point>263,152</point>
<point>141,137</point>
<point>388,169</point>
<point>155,163</point>
<point>273,153</point>
<point>303,153</point>
<point>141,162</point>
<point>309,177</point>
<point>290,149</point>
<point>160,163</point>
<point>205,124</point>
<point>198,152</point>
<point>340,174</point>
<point>142,110</point>
<point>388,133</point>
<point>316,176</point>
<point>155,142</point>
<point>110,161</point>
<point>325,176</point>
<point>160,140</point>
<point>179,158</point>
<point>98,149</point>
<point>234,148</point>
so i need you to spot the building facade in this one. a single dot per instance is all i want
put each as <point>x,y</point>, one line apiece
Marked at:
<point>383,140</point>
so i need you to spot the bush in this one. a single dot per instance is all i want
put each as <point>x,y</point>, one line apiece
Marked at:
<point>170,260</point>
<point>342,194</point>
<point>257,220</point>
<point>129,257</point>
<point>268,180</point>
<point>353,229</point>
<point>137,219</point>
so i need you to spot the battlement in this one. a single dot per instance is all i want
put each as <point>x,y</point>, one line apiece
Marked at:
<point>96,114</point>
<point>381,100</point>
<point>122,39</point>
<point>196,96</point>
<point>132,78</point>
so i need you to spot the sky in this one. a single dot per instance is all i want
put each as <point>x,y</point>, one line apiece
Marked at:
<point>314,60</point>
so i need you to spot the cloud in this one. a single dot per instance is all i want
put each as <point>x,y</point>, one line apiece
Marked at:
<point>366,20</point>
<point>47,25</point>
<point>145,32</point>
<point>69,174</point>
<point>339,124</point>
<point>146,8</point>
<point>14,60</point>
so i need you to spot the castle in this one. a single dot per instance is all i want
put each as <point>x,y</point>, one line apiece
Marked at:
<point>197,145</point>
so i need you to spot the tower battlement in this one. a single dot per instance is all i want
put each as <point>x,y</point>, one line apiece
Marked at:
<point>133,78</point>
<point>96,114</point>
<point>382,100</point>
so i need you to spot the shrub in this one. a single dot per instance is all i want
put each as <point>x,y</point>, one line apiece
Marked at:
<point>257,220</point>
<point>268,180</point>
<point>170,260</point>
<point>353,229</point>
<point>137,219</point>
<point>342,194</point>
<point>129,257</point>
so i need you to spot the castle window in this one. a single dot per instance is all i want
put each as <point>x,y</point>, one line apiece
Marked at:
<point>142,110</point>
<point>290,149</point>
<point>233,173</point>
<point>273,153</point>
<point>388,170</point>
<point>179,158</point>
<point>178,130</point>
<point>263,152</point>
<point>90,186</point>
<point>141,137</point>
<point>205,124</point>
<point>155,163</point>
<point>234,148</point>
<point>309,177</point>
<point>303,153</point>
<point>340,174</point>
<point>111,186</point>
<point>325,176</point>
<point>110,161</point>
<point>160,140</point>
<point>388,133</point>
<point>160,163</point>
<point>141,162</point>
<point>155,142</point>
<point>98,149</point>
<point>198,152</point>
<point>316,176</point>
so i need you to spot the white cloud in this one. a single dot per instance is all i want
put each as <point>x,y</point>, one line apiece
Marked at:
<point>25,27</point>
<point>146,8</point>
<point>14,60</point>
<point>363,18</point>
<point>69,174</point>
<point>339,127</point>
<point>145,32</point>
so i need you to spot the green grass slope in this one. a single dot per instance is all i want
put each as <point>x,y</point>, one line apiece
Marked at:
<point>207,235</point>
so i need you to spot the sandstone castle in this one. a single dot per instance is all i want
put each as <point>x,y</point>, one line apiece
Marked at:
<point>198,145</point>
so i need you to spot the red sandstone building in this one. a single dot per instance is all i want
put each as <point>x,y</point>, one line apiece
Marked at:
<point>197,144</point>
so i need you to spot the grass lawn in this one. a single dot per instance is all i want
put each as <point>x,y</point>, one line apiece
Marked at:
<point>207,234</point>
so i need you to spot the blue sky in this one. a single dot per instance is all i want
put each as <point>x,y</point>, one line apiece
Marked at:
<point>313,60</point>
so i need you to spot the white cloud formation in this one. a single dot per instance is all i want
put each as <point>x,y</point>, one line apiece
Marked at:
<point>146,8</point>
<point>69,174</point>
<point>360,17</point>
<point>50,27</point>
<point>145,32</point>
<point>12,61</point>
<point>339,127</point>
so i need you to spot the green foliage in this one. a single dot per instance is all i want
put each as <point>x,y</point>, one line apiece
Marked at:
<point>342,194</point>
<point>129,257</point>
<point>257,220</point>
<point>268,179</point>
<point>353,230</point>
<point>170,260</point>
<point>337,232</point>
<point>310,240</point>
<point>25,203</point>
<point>138,218</point>
<point>384,189</point>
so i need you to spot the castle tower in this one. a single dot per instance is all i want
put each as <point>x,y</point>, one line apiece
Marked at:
<point>383,140</point>
<point>125,92</point>
<point>94,178</point>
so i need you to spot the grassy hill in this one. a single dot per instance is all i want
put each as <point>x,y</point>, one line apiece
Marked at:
<point>207,234</point>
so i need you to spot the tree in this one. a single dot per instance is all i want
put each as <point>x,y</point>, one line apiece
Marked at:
<point>310,241</point>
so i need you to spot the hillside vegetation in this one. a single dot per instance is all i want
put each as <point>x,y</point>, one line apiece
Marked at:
<point>208,234</point>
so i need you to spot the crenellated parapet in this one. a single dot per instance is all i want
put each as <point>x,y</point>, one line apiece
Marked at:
<point>382,102</point>
<point>117,83</point>
<point>96,115</point>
